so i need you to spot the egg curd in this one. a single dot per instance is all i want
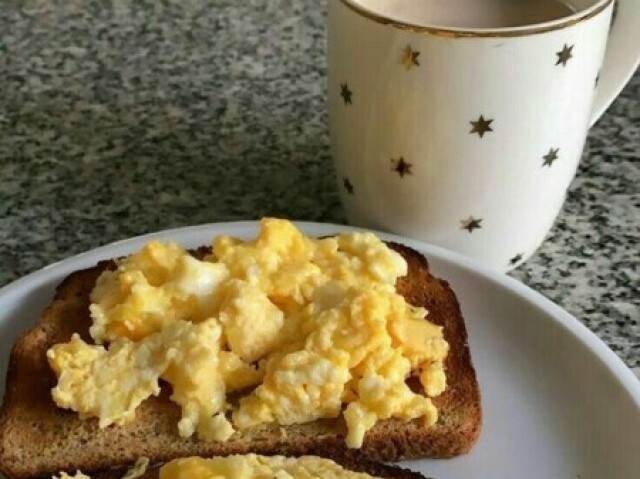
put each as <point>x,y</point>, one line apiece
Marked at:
<point>297,328</point>
<point>249,466</point>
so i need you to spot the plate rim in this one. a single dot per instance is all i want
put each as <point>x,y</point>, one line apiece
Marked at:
<point>614,364</point>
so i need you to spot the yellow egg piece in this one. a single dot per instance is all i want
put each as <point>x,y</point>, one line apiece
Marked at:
<point>252,466</point>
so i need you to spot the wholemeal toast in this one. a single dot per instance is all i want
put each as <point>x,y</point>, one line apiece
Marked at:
<point>352,462</point>
<point>37,438</point>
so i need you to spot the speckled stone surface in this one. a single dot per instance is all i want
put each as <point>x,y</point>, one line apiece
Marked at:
<point>120,118</point>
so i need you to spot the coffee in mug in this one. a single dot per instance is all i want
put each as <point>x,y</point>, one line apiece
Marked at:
<point>474,13</point>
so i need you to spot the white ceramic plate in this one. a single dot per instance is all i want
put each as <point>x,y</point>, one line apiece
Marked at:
<point>557,402</point>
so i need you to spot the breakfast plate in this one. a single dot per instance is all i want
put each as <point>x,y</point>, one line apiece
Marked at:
<point>557,402</point>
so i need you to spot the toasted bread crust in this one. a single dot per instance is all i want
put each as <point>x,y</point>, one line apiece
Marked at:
<point>37,438</point>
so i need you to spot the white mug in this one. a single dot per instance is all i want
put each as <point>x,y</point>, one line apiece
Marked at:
<point>464,137</point>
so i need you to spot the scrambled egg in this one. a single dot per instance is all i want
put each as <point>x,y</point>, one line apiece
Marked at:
<point>297,328</point>
<point>111,384</point>
<point>77,475</point>
<point>152,289</point>
<point>247,466</point>
<point>252,466</point>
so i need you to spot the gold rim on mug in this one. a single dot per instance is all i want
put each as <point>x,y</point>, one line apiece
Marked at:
<point>495,32</point>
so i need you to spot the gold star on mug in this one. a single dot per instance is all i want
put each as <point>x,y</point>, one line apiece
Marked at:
<point>550,157</point>
<point>516,259</point>
<point>345,93</point>
<point>410,58</point>
<point>481,126</point>
<point>347,185</point>
<point>471,224</point>
<point>564,55</point>
<point>401,167</point>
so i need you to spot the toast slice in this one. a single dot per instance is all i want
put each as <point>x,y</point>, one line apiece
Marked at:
<point>38,439</point>
<point>352,463</point>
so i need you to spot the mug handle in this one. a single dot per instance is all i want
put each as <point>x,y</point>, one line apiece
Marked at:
<point>622,56</point>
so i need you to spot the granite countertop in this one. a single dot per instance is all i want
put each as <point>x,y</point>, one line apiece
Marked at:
<point>120,118</point>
